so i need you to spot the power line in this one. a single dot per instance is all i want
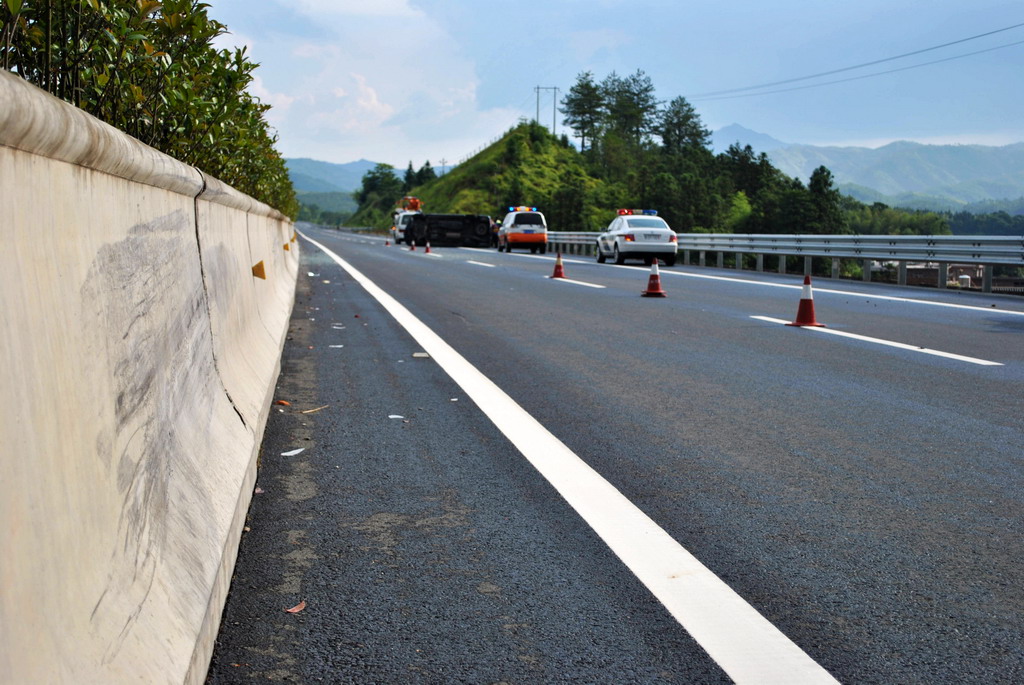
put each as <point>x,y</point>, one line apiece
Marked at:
<point>856,66</point>
<point>554,103</point>
<point>857,78</point>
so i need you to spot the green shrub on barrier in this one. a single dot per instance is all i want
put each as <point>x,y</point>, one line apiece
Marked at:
<point>150,69</point>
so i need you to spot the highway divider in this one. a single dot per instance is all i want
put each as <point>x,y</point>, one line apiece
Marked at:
<point>140,352</point>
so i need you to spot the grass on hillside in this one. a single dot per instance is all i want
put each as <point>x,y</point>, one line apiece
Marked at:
<point>524,167</point>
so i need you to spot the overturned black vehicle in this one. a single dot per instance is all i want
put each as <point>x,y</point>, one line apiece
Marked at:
<point>453,230</point>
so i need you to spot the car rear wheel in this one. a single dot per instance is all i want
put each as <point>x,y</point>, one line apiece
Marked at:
<point>543,249</point>
<point>670,261</point>
<point>619,258</point>
<point>600,256</point>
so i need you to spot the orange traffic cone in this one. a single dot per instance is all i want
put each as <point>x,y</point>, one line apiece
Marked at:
<point>559,269</point>
<point>412,246</point>
<point>654,283</point>
<point>387,243</point>
<point>428,247</point>
<point>805,312</point>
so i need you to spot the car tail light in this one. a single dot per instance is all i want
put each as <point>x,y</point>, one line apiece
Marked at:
<point>629,237</point>
<point>673,238</point>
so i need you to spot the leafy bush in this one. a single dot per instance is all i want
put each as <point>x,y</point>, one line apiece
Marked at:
<point>149,68</point>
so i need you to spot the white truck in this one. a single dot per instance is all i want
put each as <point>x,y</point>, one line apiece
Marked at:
<point>401,221</point>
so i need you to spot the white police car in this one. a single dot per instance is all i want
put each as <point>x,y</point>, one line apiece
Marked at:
<point>638,234</point>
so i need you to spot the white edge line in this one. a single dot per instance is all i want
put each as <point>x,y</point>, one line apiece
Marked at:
<point>888,343</point>
<point>490,266</point>
<point>738,638</point>
<point>569,280</point>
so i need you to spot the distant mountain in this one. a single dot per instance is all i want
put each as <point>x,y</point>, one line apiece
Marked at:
<point>310,175</point>
<point>304,183</point>
<point>915,175</point>
<point>342,203</point>
<point>999,201</point>
<point>734,133</point>
<point>901,174</point>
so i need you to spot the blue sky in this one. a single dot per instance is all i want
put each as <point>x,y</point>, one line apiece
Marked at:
<point>414,80</point>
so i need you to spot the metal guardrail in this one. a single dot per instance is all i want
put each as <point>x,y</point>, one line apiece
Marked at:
<point>987,251</point>
<point>1003,250</point>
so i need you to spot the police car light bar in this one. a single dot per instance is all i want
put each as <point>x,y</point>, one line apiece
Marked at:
<point>630,212</point>
<point>522,209</point>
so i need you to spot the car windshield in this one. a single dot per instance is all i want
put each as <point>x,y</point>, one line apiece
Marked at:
<point>529,219</point>
<point>647,222</point>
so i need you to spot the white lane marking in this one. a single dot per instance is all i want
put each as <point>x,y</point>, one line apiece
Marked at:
<point>740,640</point>
<point>817,289</point>
<point>470,261</point>
<point>545,257</point>
<point>848,293</point>
<point>569,280</point>
<point>889,343</point>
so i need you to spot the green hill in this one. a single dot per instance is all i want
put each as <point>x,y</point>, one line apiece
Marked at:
<point>527,166</point>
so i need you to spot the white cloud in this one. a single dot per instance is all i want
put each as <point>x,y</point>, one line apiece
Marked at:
<point>306,50</point>
<point>280,103</point>
<point>362,112</point>
<point>232,40</point>
<point>440,78</point>
<point>586,44</point>
<point>357,8</point>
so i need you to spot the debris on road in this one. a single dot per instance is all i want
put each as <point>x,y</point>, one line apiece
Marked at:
<point>297,608</point>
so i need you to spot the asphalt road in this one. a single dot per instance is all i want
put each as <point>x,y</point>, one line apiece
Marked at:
<point>865,499</point>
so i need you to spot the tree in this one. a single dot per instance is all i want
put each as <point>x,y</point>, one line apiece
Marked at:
<point>738,213</point>
<point>380,186</point>
<point>825,203</point>
<point>666,195</point>
<point>583,108</point>
<point>567,208</point>
<point>749,172</point>
<point>630,106</point>
<point>425,174</point>
<point>784,207</point>
<point>680,128</point>
<point>409,180</point>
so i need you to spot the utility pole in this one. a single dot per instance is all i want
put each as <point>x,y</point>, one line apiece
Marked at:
<point>554,102</point>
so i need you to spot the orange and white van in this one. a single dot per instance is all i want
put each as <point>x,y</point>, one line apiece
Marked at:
<point>523,227</point>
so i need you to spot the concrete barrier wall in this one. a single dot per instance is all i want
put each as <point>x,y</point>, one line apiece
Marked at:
<point>138,358</point>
